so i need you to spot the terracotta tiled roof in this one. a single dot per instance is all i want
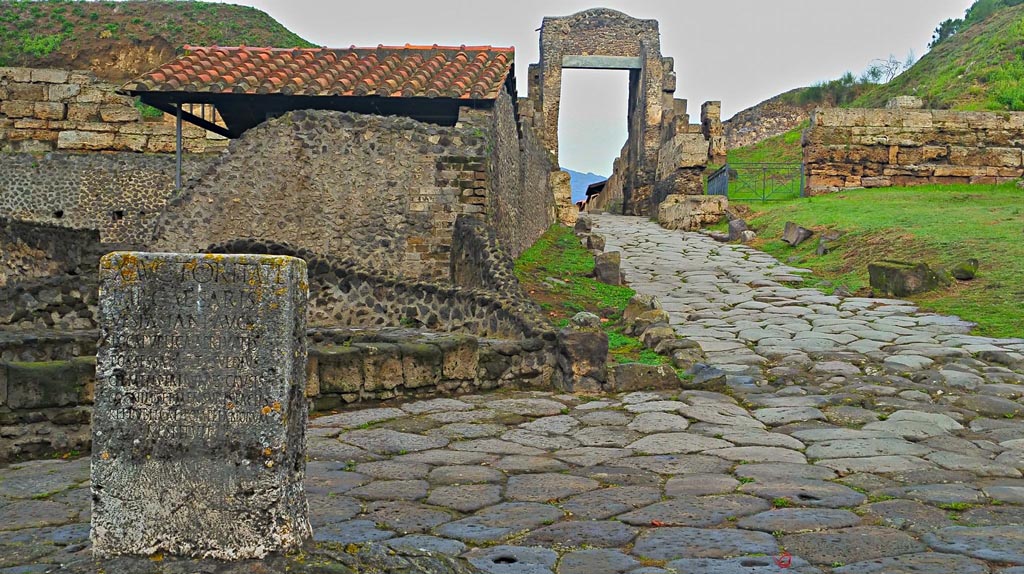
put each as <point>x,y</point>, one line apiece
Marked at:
<point>463,72</point>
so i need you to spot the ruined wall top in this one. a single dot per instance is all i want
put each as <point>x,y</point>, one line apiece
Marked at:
<point>599,31</point>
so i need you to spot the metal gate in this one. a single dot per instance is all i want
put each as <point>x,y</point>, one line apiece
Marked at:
<point>758,181</point>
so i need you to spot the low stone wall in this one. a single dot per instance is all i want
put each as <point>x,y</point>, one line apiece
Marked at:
<point>765,120</point>
<point>853,148</point>
<point>478,262</point>
<point>120,194</point>
<point>47,382</point>
<point>44,110</point>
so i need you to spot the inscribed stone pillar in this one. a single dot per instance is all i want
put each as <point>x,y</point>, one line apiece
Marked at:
<point>200,415</point>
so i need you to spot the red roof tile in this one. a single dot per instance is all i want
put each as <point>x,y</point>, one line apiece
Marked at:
<point>463,72</point>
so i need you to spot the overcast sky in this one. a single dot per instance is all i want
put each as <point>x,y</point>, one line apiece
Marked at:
<point>738,51</point>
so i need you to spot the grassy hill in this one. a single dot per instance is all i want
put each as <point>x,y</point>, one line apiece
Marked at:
<point>979,68</point>
<point>119,40</point>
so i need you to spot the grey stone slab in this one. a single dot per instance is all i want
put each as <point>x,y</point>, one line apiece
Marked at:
<point>541,441</point>
<point>405,517</point>
<point>774,471</point>
<point>700,485</point>
<point>351,532</point>
<point>790,520</point>
<point>923,563</point>
<point>592,455</point>
<point>974,464</point>
<point>876,464</point>
<point>328,509</point>
<point>658,422</point>
<point>703,511</point>
<point>499,522</point>
<point>676,443</point>
<point>785,415</point>
<point>514,464</point>
<point>445,457</point>
<point>677,543</point>
<point>495,446</point>
<point>608,502</point>
<point>34,514</point>
<point>582,533</point>
<point>199,421</point>
<point>677,464</point>
<point>446,475</point>
<point>1006,494</point>
<point>996,543</point>
<point>607,436</point>
<point>436,406</point>
<point>527,407</point>
<point>458,431</point>
<point>386,441</point>
<point>393,470</point>
<point>759,454</point>
<point>746,565</point>
<point>937,493</point>
<point>1005,515</point>
<point>561,424</point>
<point>618,475</point>
<point>865,447</point>
<point>465,498</point>
<point>907,515</point>
<point>597,561</point>
<point>512,560</point>
<point>42,478</point>
<point>546,486</point>
<point>850,545</point>
<point>805,492</point>
<point>606,418</point>
<point>391,490</point>
<point>354,419</point>
<point>424,543</point>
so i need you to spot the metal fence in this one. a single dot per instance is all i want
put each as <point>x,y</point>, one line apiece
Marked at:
<point>758,181</point>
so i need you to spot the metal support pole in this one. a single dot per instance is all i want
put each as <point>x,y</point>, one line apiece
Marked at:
<point>177,150</point>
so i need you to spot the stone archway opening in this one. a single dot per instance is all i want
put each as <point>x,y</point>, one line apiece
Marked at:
<point>593,124</point>
<point>664,154</point>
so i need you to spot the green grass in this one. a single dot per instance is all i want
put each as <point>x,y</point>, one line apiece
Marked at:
<point>979,68</point>
<point>783,148</point>
<point>52,32</point>
<point>941,225</point>
<point>559,255</point>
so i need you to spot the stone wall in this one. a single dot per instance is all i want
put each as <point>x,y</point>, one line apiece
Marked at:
<point>520,204</point>
<point>45,110</point>
<point>853,148</point>
<point>478,262</point>
<point>381,190</point>
<point>118,194</point>
<point>765,120</point>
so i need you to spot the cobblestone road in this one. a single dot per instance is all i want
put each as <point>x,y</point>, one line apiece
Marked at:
<point>857,436</point>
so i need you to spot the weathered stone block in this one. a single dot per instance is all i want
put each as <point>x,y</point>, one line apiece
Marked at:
<point>638,376</point>
<point>905,102</point>
<point>899,278</point>
<point>49,76</point>
<point>200,416</point>
<point>62,92</point>
<point>3,367</point>
<point>794,234</point>
<point>341,369</point>
<point>17,109</point>
<point>83,112</point>
<point>16,74</point>
<point>26,92</point>
<point>690,212</point>
<point>50,110</point>
<point>42,385</point>
<point>607,268</point>
<point>77,140</point>
<point>382,366</point>
<point>583,356</point>
<point>421,364</point>
<point>120,114</point>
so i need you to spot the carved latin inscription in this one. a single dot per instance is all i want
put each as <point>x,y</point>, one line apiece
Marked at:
<point>199,422</point>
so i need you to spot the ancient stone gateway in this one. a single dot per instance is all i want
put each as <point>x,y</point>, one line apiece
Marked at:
<point>606,39</point>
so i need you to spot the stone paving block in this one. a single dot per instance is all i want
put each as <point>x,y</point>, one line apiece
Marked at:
<point>997,543</point>
<point>676,543</point>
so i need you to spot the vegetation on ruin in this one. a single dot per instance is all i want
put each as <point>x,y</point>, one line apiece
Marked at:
<point>940,225</point>
<point>977,66</point>
<point>783,148</point>
<point>556,272</point>
<point>58,33</point>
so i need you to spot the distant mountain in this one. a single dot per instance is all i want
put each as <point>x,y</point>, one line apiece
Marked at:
<point>580,181</point>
